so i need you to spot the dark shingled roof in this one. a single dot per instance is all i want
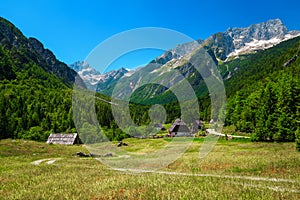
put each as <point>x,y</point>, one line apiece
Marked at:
<point>197,125</point>
<point>179,126</point>
<point>160,126</point>
<point>62,138</point>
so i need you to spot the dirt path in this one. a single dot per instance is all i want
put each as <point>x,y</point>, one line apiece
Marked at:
<point>105,101</point>
<point>252,178</point>
<point>48,161</point>
<point>274,188</point>
<point>212,131</point>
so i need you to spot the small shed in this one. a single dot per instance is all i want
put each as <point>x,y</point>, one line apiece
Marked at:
<point>160,127</point>
<point>198,125</point>
<point>179,128</point>
<point>63,138</point>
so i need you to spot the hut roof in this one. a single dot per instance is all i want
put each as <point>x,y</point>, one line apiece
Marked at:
<point>199,122</point>
<point>177,122</point>
<point>196,125</point>
<point>63,138</point>
<point>160,126</point>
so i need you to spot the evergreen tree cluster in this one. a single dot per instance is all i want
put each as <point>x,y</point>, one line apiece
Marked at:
<point>268,108</point>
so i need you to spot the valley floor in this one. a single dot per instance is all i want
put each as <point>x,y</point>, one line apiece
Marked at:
<point>235,169</point>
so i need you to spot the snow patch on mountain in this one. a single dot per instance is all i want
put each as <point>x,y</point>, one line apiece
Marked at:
<point>86,72</point>
<point>256,37</point>
<point>256,45</point>
<point>92,77</point>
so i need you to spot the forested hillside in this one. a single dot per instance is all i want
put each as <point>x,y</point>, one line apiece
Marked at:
<point>35,89</point>
<point>264,93</point>
<point>31,100</point>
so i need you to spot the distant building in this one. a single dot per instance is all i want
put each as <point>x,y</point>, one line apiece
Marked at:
<point>160,127</point>
<point>198,125</point>
<point>179,128</point>
<point>63,138</point>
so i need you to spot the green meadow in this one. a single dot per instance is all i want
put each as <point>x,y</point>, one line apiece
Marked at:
<point>235,169</point>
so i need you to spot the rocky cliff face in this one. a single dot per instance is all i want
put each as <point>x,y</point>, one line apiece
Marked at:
<point>94,80</point>
<point>263,31</point>
<point>88,74</point>
<point>238,41</point>
<point>108,80</point>
<point>178,52</point>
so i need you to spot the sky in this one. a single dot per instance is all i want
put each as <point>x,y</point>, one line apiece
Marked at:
<point>72,29</point>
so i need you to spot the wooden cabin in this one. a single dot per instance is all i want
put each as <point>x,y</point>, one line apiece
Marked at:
<point>179,128</point>
<point>197,126</point>
<point>160,127</point>
<point>64,138</point>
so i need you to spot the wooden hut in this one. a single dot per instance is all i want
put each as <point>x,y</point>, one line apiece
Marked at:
<point>179,128</point>
<point>198,125</point>
<point>63,138</point>
<point>160,127</point>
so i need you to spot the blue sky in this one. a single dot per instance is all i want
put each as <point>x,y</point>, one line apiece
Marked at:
<point>71,29</point>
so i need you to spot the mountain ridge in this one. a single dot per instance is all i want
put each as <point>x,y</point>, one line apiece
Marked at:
<point>222,47</point>
<point>218,46</point>
<point>33,51</point>
<point>96,81</point>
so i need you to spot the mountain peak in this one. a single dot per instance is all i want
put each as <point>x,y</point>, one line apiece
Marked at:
<point>269,23</point>
<point>81,65</point>
<point>275,21</point>
<point>93,78</point>
<point>261,31</point>
<point>123,69</point>
<point>255,37</point>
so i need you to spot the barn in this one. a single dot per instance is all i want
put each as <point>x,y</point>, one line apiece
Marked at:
<point>64,138</point>
<point>179,128</point>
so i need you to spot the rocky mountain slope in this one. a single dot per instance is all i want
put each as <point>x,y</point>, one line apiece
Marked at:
<point>222,47</point>
<point>96,81</point>
<point>30,50</point>
<point>86,72</point>
<point>257,37</point>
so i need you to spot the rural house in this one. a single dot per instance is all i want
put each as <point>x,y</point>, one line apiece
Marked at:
<point>63,138</point>
<point>179,128</point>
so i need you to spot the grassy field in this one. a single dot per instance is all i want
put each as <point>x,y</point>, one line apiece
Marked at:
<point>236,169</point>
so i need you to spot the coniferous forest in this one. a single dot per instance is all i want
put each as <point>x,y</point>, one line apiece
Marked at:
<point>264,95</point>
